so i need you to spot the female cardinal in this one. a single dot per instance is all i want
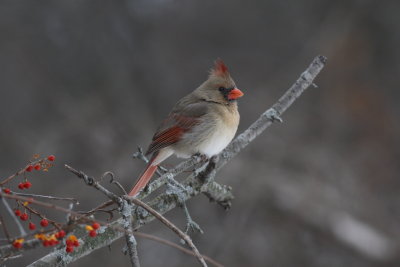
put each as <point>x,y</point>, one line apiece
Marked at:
<point>204,121</point>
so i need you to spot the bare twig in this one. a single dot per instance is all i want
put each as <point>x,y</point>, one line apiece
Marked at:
<point>9,257</point>
<point>4,226</point>
<point>92,182</point>
<point>10,211</point>
<point>37,202</point>
<point>171,226</point>
<point>171,244</point>
<point>56,224</point>
<point>113,181</point>
<point>47,197</point>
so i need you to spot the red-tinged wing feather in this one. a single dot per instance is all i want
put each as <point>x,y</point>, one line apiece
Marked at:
<point>176,124</point>
<point>173,134</point>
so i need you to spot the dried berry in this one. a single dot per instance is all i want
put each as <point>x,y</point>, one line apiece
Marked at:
<point>69,243</point>
<point>44,222</point>
<point>27,184</point>
<point>92,233</point>
<point>60,234</point>
<point>29,168</point>
<point>24,216</point>
<point>17,244</point>
<point>96,226</point>
<point>7,190</point>
<point>32,226</point>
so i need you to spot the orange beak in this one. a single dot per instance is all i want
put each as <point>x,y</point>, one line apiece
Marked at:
<point>235,94</point>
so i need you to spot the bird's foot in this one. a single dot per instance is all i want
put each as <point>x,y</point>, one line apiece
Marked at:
<point>273,115</point>
<point>140,214</point>
<point>202,157</point>
<point>191,226</point>
<point>179,191</point>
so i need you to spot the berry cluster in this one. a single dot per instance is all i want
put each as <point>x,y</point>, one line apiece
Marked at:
<point>42,164</point>
<point>25,185</point>
<point>18,243</point>
<point>71,242</point>
<point>48,237</point>
<point>49,240</point>
<point>92,229</point>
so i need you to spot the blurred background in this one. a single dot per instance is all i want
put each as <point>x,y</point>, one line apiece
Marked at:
<point>88,81</point>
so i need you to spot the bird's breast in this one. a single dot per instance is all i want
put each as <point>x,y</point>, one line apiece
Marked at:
<point>217,140</point>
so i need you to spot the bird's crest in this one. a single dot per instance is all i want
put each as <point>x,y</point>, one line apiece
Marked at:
<point>219,69</point>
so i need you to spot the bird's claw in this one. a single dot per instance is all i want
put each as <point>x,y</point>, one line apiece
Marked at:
<point>176,189</point>
<point>202,157</point>
<point>273,115</point>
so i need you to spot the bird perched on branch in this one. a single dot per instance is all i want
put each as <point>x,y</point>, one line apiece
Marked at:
<point>203,122</point>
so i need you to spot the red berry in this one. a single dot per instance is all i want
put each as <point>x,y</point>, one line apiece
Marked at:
<point>24,216</point>
<point>69,249</point>
<point>27,184</point>
<point>96,226</point>
<point>17,212</point>
<point>44,222</point>
<point>51,158</point>
<point>32,226</point>
<point>37,167</point>
<point>69,243</point>
<point>46,243</point>
<point>61,234</point>
<point>21,186</point>
<point>93,233</point>
<point>17,245</point>
<point>29,168</point>
<point>7,190</point>
<point>76,243</point>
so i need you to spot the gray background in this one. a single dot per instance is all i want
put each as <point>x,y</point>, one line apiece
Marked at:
<point>88,81</point>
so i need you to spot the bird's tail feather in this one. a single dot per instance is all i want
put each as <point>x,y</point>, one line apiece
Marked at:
<point>145,177</point>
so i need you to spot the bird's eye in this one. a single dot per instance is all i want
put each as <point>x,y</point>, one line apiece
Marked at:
<point>222,89</point>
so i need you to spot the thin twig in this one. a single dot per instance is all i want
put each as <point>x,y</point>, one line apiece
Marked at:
<point>37,202</point>
<point>47,197</point>
<point>4,226</point>
<point>54,223</point>
<point>21,171</point>
<point>10,211</point>
<point>92,182</point>
<point>171,244</point>
<point>9,257</point>
<point>171,226</point>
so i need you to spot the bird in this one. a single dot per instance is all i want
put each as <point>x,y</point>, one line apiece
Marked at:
<point>203,122</point>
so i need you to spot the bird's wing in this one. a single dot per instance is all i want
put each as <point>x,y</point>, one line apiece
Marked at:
<point>176,124</point>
